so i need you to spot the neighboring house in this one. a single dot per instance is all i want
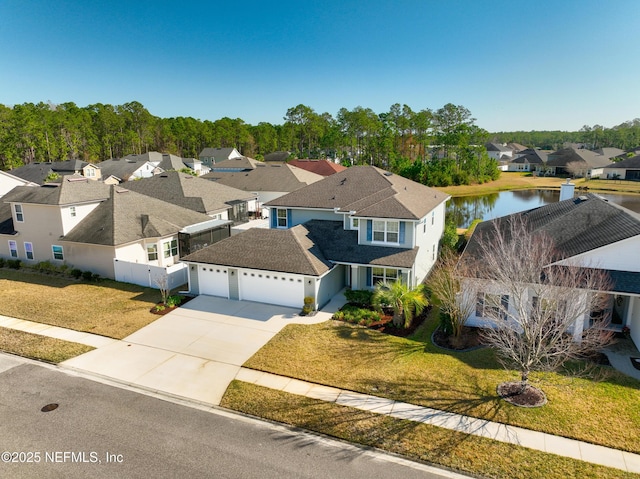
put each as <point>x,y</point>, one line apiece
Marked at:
<point>529,160</point>
<point>108,230</point>
<point>133,167</point>
<point>354,228</point>
<point>167,161</point>
<point>591,163</point>
<point>240,163</point>
<point>39,172</point>
<point>586,230</point>
<point>277,156</point>
<point>209,197</point>
<point>610,152</point>
<point>267,181</point>
<point>9,182</point>
<point>499,152</point>
<point>211,156</point>
<point>516,147</point>
<point>320,167</point>
<point>628,169</point>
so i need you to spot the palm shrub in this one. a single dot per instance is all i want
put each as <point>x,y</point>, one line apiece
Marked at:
<point>405,301</point>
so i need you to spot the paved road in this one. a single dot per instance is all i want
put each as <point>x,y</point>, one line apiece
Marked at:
<point>148,437</point>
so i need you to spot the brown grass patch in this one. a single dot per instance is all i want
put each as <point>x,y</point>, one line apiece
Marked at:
<point>107,308</point>
<point>422,442</point>
<point>39,347</point>
<point>354,358</point>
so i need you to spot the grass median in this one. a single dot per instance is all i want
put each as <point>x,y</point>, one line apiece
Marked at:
<point>593,404</point>
<point>455,450</point>
<point>39,347</point>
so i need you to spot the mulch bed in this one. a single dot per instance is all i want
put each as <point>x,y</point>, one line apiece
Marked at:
<point>162,312</point>
<point>530,397</point>
<point>386,325</point>
<point>469,339</point>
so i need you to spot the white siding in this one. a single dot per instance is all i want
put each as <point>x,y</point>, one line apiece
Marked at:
<point>271,287</point>
<point>427,237</point>
<point>620,256</point>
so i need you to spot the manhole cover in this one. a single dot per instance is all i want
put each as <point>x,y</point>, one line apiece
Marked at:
<point>49,407</point>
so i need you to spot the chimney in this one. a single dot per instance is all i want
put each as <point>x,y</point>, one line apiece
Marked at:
<point>566,190</point>
<point>145,221</point>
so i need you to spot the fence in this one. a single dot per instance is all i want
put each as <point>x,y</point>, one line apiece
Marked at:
<point>147,275</point>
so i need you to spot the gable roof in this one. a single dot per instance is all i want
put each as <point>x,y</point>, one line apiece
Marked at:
<point>38,172</point>
<point>240,163</point>
<point>216,152</point>
<point>123,168</point>
<point>610,152</point>
<point>633,162</point>
<point>126,216</point>
<point>533,156</point>
<point>171,162</point>
<point>266,177</point>
<point>286,251</point>
<point>190,192</point>
<point>321,167</point>
<point>517,147</point>
<point>575,225</point>
<point>71,190</point>
<point>369,191</point>
<point>497,147</point>
<point>568,155</point>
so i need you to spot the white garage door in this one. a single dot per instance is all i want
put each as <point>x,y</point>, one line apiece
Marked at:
<point>213,280</point>
<point>272,288</point>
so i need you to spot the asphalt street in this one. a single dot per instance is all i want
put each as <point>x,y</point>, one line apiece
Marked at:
<point>102,431</point>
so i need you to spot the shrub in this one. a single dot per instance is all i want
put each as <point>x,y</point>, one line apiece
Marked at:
<point>307,309</point>
<point>87,275</point>
<point>75,273</point>
<point>445,323</point>
<point>14,263</point>
<point>360,297</point>
<point>174,300</point>
<point>45,267</point>
<point>308,300</point>
<point>2,263</point>
<point>356,315</point>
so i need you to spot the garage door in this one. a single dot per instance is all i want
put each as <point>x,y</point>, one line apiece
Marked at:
<point>213,280</point>
<point>272,288</point>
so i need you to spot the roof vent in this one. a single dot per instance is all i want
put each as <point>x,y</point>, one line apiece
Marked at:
<point>387,173</point>
<point>121,190</point>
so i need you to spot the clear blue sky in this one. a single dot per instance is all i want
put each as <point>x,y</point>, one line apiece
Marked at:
<point>517,65</point>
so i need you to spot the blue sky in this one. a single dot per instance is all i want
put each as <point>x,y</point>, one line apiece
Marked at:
<point>517,65</point>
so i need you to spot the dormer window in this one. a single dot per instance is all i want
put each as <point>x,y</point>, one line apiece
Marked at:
<point>90,172</point>
<point>19,213</point>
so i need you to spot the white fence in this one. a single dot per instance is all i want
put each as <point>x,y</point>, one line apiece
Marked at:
<point>147,275</point>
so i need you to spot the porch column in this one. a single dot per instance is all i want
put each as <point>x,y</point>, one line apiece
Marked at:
<point>355,277</point>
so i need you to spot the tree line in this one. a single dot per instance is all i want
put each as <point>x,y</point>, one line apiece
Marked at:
<point>444,146</point>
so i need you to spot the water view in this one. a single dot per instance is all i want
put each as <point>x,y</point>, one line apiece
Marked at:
<point>467,208</point>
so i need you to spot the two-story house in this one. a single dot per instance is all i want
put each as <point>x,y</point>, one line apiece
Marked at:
<point>109,230</point>
<point>354,228</point>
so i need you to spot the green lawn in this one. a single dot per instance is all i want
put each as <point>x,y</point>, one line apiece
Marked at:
<point>39,347</point>
<point>470,454</point>
<point>598,406</point>
<point>107,308</point>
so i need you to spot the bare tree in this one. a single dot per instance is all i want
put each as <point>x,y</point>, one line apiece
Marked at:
<point>576,168</point>
<point>162,282</point>
<point>457,298</point>
<point>539,306</point>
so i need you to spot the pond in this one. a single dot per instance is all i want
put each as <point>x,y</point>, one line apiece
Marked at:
<point>485,207</point>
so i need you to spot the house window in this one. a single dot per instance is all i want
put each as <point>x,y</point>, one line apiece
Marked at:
<point>282,218</point>
<point>433,217</point>
<point>19,213</point>
<point>492,306</point>
<point>13,249</point>
<point>90,172</point>
<point>57,252</point>
<point>386,231</point>
<point>547,308</point>
<point>171,248</point>
<point>354,223</point>
<point>152,252</point>
<point>383,275</point>
<point>28,248</point>
<point>72,211</point>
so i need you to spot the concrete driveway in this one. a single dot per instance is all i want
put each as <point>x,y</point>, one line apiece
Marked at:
<point>196,350</point>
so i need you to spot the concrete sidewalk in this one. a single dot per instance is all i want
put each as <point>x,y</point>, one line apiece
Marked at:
<point>540,441</point>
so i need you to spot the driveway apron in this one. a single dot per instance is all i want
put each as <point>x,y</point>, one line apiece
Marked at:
<point>194,351</point>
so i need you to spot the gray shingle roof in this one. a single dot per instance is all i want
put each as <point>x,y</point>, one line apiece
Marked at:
<point>126,216</point>
<point>532,156</point>
<point>369,191</point>
<point>568,155</point>
<point>497,147</point>
<point>216,152</point>
<point>281,156</point>
<point>71,190</point>
<point>633,162</point>
<point>241,163</point>
<point>266,177</point>
<point>575,225</point>
<point>286,251</point>
<point>172,162</point>
<point>307,249</point>
<point>122,168</point>
<point>37,172</point>
<point>188,191</point>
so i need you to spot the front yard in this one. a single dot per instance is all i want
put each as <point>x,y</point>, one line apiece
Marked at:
<point>597,406</point>
<point>107,308</point>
